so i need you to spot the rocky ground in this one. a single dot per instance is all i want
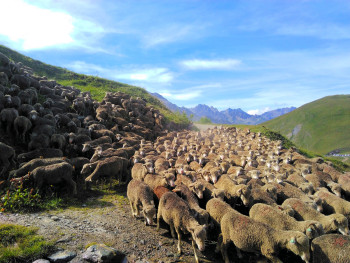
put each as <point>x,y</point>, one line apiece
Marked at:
<point>107,219</point>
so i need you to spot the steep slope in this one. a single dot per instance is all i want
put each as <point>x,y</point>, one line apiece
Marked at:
<point>97,86</point>
<point>321,126</point>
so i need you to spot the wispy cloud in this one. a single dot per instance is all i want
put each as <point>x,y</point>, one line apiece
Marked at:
<point>169,34</point>
<point>219,64</point>
<point>131,73</point>
<point>182,96</point>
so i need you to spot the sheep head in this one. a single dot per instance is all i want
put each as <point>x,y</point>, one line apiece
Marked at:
<point>199,235</point>
<point>298,243</point>
<point>197,188</point>
<point>244,192</point>
<point>149,213</point>
<point>339,223</point>
<point>313,230</point>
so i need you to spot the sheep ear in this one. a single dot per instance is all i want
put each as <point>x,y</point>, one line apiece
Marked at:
<point>309,229</point>
<point>292,240</point>
<point>176,190</point>
<point>191,185</point>
<point>239,191</point>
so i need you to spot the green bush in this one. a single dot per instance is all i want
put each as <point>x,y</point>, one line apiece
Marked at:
<point>205,120</point>
<point>22,199</point>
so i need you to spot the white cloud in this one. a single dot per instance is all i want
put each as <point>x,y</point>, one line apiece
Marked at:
<point>34,27</point>
<point>182,96</point>
<point>220,64</point>
<point>258,111</point>
<point>144,75</point>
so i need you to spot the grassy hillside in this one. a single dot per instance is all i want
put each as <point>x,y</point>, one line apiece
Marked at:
<point>320,126</point>
<point>97,86</point>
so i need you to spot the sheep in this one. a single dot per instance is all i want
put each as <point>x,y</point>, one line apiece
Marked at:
<point>32,164</point>
<point>39,141</point>
<point>251,236</point>
<point>43,153</point>
<point>7,157</point>
<point>139,171</point>
<point>159,191</point>
<point>286,190</point>
<point>234,191</point>
<point>154,180</point>
<point>217,208</point>
<point>58,141</point>
<point>277,219</point>
<point>177,214</point>
<point>185,193</point>
<point>25,109</point>
<point>331,248</point>
<point>22,125</point>
<point>333,204</point>
<point>101,154</point>
<point>114,166</point>
<point>140,196</point>
<point>94,143</point>
<point>344,181</point>
<point>7,118</point>
<point>53,174</point>
<point>330,223</point>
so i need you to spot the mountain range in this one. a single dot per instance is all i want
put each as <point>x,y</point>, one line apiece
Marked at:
<point>229,116</point>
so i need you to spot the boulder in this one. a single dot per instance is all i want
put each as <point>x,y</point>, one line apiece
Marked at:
<point>101,253</point>
<point>62,256</point>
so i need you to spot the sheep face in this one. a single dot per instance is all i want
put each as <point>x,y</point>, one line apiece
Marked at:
<point>313,230</point>
<point>149,213</point>
<point>299,245</point>
<point>340,223</point>
<point>245,194</point>
<point>170,178</point>
<point>199,235</point>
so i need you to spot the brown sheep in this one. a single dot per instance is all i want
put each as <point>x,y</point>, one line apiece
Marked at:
<point>22,125</point>
<point>330,223</point>
<point>110,167</point>
<point>331,248</point>
<point>140,196</point>
<point>7,157</point>
<point>185,193</point>
<point>53,174</point>
<point>176,213</point>
<point>276,218</point>
<point>251,236</point>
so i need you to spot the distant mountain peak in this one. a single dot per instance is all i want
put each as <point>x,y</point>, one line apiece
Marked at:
<point>228,116</point>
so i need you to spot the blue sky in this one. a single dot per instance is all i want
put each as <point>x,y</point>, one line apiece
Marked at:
<point>255,55</point>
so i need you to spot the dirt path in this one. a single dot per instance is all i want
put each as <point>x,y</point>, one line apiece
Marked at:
<point>203,127</point>
<point>108,220</point>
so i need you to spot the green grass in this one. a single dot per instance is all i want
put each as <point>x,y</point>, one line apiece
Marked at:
<point>96,85</point>
<point>22,244</point>
<point>325,124</point>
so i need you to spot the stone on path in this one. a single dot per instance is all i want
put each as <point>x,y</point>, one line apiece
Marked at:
<point>101,253</point>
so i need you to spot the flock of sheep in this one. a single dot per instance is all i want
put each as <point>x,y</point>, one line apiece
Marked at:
<point>223,184</point>
<point>233,185</point>
<point>57,135</point>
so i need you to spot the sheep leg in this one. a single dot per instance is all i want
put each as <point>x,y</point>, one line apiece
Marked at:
<point>218,245</point>
<point>268,254</point>
<point>159,214</point>
<point>132,209</point>
<point>195,252</point>
<point>224,251</point>
<point>172,230</point>
<point>239,254</point>
<point>179,241</point>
